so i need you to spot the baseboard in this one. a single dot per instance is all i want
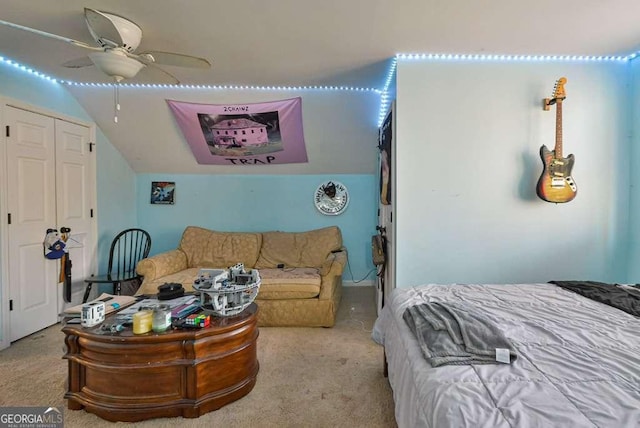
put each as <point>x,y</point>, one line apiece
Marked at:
<point>364,283</point>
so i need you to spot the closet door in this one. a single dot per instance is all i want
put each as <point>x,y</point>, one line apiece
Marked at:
<point>75,186</point>
<point>31,193</point>
<point>50,184</point>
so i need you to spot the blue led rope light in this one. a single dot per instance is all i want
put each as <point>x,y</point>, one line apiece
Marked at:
<point>227,87</point>
<point>525,58</point>
<point>27,69</point>
<point>385,100</point>
<point>384,97</point>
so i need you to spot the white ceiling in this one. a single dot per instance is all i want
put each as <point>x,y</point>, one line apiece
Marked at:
<point>304,42</point>
<point>327,42</point>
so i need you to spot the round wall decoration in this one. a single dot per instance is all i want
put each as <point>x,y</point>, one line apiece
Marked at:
<point>331,198</point>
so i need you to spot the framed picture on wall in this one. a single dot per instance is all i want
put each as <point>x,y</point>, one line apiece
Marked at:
<point>163,192</point>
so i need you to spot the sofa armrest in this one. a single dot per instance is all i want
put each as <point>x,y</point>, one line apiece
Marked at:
<point>334,263</point>
<point>162,264</point>
<point>331,268</point>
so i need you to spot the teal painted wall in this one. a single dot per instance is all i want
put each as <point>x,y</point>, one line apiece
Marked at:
<point>633,243</point>
<point>116,197</point>
<point>260,203</point>
<point>26,87</point>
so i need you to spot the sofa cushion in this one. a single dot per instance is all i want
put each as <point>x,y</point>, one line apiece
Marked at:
<point>298,283</point>
<point>212,249</point>
<point>298,249</point>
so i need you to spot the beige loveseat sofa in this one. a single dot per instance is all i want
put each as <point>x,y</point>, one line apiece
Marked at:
<point>306,291</point>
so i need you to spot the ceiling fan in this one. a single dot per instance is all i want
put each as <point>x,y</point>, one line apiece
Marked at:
<point>118,38</point>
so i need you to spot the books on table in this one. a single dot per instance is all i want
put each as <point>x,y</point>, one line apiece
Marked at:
<point>176,306</point>
<point>129,305</point>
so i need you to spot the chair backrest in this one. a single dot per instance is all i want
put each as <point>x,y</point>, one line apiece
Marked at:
<point>127,249</point>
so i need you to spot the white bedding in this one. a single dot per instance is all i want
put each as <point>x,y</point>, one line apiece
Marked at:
<point>578,362</point>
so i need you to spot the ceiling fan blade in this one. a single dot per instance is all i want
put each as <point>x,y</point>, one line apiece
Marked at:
<point>102,28</point>
<point>50,35</point>
<point>113,31</point>
<point>153,74</point>
<point>85,61</point>
<point>170,58</point>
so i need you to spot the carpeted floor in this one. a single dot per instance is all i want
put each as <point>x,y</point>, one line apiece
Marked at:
<point>309,377</point>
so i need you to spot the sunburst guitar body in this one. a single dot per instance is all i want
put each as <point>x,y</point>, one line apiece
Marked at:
<point>556,183</point>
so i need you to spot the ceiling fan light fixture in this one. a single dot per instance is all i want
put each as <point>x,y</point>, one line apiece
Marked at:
<point>116,65</point>
<point>118,38</point>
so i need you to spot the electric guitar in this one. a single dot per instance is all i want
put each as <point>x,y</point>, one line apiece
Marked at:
<point>556,184</point>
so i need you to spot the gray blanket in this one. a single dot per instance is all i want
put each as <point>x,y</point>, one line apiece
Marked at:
<point>457,334</point>
<point>625,299</point>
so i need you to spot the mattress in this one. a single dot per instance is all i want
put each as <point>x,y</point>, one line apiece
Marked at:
<point>578,362</point>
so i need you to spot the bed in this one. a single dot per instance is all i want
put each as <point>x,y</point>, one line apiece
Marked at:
<point>577,365</point>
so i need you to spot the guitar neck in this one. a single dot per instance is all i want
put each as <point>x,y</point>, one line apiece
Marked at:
<point>558,148</point>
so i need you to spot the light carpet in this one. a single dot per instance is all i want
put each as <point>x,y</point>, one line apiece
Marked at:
<point>309,377</point>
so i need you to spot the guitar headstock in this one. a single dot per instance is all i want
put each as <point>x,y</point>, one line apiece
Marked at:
<point>558,89</point>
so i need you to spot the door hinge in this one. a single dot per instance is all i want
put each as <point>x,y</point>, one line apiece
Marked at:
<point>91,212</point>
<point>7,130</point>
<point>11,304</point>
<point>9,218</point>
<point>91,147</point>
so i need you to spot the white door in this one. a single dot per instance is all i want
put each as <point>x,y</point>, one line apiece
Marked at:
<point>74,196</point>
<point>33,284</point>
<point>51,184</point>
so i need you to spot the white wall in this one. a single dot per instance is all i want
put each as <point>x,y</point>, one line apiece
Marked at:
<point>468,137</point>
<point>340,128</point>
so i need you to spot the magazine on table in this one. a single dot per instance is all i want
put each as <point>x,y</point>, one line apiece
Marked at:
<point>112,303</point>
<point>172,303</point>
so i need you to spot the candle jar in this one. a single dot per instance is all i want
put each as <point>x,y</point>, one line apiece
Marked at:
<point>161,318</point>
<point>142,322</point>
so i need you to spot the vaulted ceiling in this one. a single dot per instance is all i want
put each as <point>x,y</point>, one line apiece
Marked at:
<point>306,43</point>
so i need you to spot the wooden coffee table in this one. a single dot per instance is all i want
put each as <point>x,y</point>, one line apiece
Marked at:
<point>127,377</point>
